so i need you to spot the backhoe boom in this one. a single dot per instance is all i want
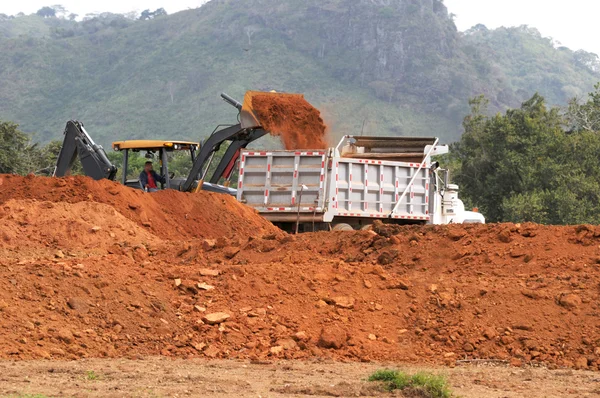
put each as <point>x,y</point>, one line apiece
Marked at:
<point>77,142</point>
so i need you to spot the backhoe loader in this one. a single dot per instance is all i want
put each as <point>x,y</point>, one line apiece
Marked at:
<point>78,143</point>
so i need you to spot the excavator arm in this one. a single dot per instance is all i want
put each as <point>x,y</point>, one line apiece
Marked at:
<point>227,163</point>
<point>77,142</point>
<point>239,136</point>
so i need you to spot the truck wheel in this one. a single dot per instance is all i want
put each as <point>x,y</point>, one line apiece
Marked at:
<point>342,227</point>
<point>368,227</point>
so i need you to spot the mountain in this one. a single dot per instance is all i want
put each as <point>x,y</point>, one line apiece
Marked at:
<point>371,66</point>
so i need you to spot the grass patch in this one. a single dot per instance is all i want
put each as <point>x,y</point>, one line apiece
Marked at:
<point>91,375</point>
<point>434,386</point>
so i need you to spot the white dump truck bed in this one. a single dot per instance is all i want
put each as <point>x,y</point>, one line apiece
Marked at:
<point>364,177</point>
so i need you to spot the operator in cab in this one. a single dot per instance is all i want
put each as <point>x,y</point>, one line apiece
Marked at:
<point>149,178</point>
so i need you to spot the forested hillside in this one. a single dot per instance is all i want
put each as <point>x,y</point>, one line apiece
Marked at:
<point>376,67</point>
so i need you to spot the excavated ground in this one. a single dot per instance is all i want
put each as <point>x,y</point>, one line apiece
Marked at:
<point>94,269</point>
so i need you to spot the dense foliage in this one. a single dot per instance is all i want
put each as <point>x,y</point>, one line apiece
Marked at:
<point>18,155</point>
<point>531,164</point>
<point>374,67</point>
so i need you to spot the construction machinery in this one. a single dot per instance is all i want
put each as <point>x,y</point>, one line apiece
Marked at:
<point>347,187</point>
<point>78,143</point>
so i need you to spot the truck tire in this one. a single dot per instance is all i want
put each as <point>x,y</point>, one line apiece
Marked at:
<point>368,227</point>
<point>342,227</point>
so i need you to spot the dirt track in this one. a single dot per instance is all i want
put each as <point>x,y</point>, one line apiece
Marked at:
<point>93,269</point>
<point>159,377</point>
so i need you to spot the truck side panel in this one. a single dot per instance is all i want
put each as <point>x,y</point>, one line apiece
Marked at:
<point>371,189</point>
<point>271,181</point>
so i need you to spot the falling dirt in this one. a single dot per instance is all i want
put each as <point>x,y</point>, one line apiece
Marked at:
<point>84,274</point>
<point>292,118</point>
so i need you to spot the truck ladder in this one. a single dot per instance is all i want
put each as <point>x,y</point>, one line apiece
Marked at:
<point>412,180</point>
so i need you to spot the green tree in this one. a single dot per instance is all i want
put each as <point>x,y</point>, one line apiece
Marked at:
<point>46,12</point>
<point>17,154</point>
<point>584,116</point>
<point>524,166</point>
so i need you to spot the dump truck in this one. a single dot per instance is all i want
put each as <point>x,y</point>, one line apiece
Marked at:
<point>362,179</point>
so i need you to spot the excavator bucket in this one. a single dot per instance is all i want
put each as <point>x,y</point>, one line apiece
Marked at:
<point>249,118</point>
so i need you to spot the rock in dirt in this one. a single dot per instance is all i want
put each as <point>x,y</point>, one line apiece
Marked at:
<point>231,252</point>
<point>78,304</point>
<point>301,336</point>
<point>199,346</point>
<point>457,234</point>
<point>504,236</point>
<point>205,286</point>
<point>399,284</point>
<point>321,304</point>
<point>581,363</point>
<point>532,294</point>
<point>212,351</point>
<point>65,335</point>
<point>468,347</point>
<point>516,362</point>
<point>209,272</point>
<point>332,337</point>
<point>569,300</point>
<point>209,244</point>
<point>385,230</point>
<point>216,318</point>
<point>490,333</point>
<point>287,344</point>
<point>344,302</point>
<point>517,252</point>
<point>387,257</point>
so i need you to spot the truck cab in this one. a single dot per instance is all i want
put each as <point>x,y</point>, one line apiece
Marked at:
<point>446,206</point>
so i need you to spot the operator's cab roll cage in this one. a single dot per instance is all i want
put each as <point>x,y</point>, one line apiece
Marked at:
<point>151,147</point>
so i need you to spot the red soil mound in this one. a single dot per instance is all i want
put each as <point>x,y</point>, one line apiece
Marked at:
<point>87,227</point>
<point>166,214</point>
<point>515,293</point>
<point>297,122</point>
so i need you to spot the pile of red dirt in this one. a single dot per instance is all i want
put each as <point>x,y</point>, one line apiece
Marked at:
<point>87,227</point>
<point>291,117</point>
<point>167,214</point>
<point>81,276</point>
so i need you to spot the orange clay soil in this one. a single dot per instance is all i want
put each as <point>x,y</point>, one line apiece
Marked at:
<point>168,214</point>
<point>296,121</point>
<point>82,274</point>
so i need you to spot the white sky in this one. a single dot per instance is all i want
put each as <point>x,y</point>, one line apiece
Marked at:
<point>83,7</point>
<point>573,22</point>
